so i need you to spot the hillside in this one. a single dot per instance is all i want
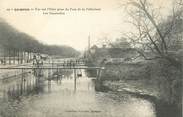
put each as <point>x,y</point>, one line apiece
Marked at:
<point>13,40</point>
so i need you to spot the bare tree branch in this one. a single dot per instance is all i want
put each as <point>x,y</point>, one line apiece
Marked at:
<point>153,32</point>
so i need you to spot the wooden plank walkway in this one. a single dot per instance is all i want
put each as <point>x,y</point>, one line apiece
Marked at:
<point>49,67</point>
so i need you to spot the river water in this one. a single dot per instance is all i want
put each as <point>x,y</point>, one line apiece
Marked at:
<point>64,98</point>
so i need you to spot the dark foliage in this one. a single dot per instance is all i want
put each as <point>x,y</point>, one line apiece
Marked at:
<point>12,39</point>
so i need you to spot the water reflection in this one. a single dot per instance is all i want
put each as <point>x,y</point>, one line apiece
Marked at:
<point>78,98</point>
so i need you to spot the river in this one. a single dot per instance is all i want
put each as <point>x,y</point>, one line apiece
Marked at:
<point>64,98</point>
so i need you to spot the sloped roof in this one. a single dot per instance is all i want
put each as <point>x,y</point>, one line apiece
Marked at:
<point>115,52</point>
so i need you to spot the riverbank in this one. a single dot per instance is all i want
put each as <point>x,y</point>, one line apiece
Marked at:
<point>63,100</point>
<point>154,79</point>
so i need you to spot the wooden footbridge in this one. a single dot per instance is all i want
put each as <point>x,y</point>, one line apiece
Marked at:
<point>67,65</point>
<point>49,69</point>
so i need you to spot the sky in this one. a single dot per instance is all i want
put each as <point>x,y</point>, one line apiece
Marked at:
<point>73,28</point>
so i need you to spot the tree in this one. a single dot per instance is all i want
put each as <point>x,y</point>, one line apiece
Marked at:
<point>151,35</point>
<point>12,40</point>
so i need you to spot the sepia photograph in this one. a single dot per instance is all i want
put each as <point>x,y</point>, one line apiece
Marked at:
<point>91,58</point>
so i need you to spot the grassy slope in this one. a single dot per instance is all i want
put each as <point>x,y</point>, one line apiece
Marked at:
<point>155,78</point>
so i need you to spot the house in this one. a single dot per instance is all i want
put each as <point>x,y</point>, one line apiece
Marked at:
<point>93,49</point>
<point>112,55</point>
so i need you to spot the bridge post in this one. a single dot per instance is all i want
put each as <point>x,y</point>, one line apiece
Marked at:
<point>57,73</point>
<point>49,80</point>
<point>75,79</point>
<point>21,87</point>
<point>98,74</point>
